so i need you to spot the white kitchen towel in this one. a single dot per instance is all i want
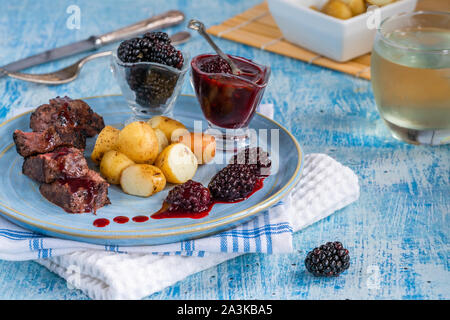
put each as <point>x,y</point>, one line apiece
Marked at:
<point>325,187</point>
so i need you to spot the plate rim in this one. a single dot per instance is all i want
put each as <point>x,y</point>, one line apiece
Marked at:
<point>194,228</point>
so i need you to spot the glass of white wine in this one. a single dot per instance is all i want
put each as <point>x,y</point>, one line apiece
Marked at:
<point>410,70</point>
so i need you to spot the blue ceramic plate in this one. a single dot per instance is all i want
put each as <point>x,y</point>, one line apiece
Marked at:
<point>21,202</point>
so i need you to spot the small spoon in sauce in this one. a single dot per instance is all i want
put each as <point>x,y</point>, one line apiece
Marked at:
<point>200,28</point>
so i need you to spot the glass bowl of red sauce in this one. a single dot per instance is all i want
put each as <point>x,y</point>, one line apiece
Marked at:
<point>228,101</point>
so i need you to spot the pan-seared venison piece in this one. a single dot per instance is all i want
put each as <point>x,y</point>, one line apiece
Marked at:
<point>72,138</point>
<point>31,143</point>
<point>67,113</point>
<point>59,164</point>
<point>78,195</point>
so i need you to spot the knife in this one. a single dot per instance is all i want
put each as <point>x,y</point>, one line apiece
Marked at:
<point>163,20</point>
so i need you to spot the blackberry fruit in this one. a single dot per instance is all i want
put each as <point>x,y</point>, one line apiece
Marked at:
<point>152,47</point>
<point>158,37</point>
<point>329,259</point>
<point>256,158</point>
<point>190,196</point>
<point>216,65</point>
<point>232,183</point>
<point>152,87</point>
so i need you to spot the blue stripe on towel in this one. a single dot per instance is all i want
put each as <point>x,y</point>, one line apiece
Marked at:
<point>258,240</point>
<point>268,233</point>
<point>18,235</point>
<point>223,242</point>
<point>235,241</point>
<point>246,240</point>
<point>256,232</point>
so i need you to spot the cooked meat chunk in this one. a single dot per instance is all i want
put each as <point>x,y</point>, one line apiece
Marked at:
<point>31,143</point>
<point>61,163</point>
<point>67,113</point>
<point>71,137</point>
<point>78,195</point>
<point>54,154</point>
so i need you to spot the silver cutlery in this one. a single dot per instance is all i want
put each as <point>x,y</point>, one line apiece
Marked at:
<point>71,72</point>
<point>200,28</point>
<point>160,21</point>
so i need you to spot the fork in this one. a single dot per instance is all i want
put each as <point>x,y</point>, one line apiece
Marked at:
<point>71,72</point>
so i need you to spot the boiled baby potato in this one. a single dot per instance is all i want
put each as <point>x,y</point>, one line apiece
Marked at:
<point>138,142</point>
<point>379,3</point>
<point>201,144</point>
<point>356,6</point>
<point>112,165</point>
<point>142,180</point>
<point>337,9</point>
<point>106,140</point>
<point>177,162</point>
<point>162,140</point>
<point>171,128</point>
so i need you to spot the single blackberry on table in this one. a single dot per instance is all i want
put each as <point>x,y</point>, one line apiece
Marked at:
<point>232,183</point>
<point>190,196</point>
<point>257,158</point>
<point>329,259</point>
<point>216,65</point>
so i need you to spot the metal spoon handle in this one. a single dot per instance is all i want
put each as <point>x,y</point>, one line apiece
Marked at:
<point>200,28</point>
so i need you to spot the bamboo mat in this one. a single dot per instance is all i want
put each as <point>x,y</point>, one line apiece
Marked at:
<point>257,28</point>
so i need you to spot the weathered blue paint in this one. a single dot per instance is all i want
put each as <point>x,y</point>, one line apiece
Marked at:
<point>397,233</point>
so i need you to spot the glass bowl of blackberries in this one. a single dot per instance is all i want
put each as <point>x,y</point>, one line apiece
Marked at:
<point>150,72</point>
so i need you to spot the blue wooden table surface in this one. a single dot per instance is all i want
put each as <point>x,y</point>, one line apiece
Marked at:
<point>398,231</point>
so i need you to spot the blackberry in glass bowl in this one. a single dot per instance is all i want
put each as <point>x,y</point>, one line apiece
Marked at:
<point>150,72</point>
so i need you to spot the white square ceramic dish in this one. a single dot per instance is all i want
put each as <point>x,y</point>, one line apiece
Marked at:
<point>337,39</point>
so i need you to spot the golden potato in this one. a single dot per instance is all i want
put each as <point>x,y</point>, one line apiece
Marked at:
<point>106,140</point>
<point>112,165</point>
<point>177,162</point>
<point>201,144</point>
<point>356,6</point>
<point>138,142</point>
<point>142,180</point>
<point>337,9</point>
<point>162,140</point>
<point>379,3</point>
<point>171,128</point>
